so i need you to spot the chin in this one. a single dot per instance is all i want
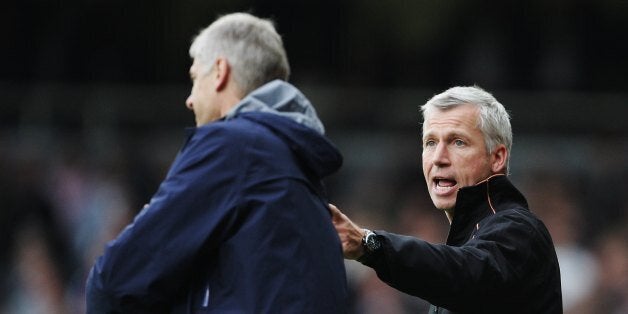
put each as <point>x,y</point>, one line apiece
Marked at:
<point>444,205</point>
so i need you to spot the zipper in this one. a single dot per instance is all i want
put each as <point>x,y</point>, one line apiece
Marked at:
<point>206,297</point>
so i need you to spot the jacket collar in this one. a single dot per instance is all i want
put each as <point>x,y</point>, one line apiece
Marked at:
<point>476,202</point>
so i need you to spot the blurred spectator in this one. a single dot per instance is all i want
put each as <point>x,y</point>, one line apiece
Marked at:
<point>57,214</point>
<point>37,263</point>
<point>37,284</point>
<point>552,197</point>
<point>93,202</point>
<point>612,252</point>
<point>610,294</point>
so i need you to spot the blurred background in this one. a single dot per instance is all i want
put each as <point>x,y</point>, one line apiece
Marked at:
<point>92,95</point>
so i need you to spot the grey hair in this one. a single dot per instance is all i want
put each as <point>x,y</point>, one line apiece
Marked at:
<point>251,46</point>
<point>493,122</point>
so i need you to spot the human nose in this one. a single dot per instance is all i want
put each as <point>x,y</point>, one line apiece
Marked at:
<point>441,155</point>
<point>188,102</point>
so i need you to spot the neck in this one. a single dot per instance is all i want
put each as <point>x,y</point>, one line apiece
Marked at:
<point>230,99</point>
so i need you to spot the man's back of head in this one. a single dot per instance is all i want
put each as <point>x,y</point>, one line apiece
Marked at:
<point>251,45</point>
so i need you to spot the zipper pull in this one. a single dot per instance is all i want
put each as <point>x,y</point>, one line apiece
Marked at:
<point>206,297</point>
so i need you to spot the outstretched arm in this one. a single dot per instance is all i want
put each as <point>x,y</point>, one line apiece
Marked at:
<point>350,234</point>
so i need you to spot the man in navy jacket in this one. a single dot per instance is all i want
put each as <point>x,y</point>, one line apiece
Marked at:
<point>499,257</point>
<point>240,223</point>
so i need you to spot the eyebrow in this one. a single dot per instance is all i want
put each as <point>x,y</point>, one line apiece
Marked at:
<point>447,135</point>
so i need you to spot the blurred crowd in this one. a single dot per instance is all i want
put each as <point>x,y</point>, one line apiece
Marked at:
<point>61,204</point>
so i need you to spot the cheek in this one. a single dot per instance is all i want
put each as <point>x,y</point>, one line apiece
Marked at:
<point>200,98</point>
<point>477,169</point>
<point>425,164</point>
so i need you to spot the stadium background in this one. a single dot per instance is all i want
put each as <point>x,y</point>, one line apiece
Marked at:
<point>92,96</point>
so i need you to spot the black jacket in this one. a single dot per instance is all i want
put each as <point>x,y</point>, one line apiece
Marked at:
<point>499,257</point>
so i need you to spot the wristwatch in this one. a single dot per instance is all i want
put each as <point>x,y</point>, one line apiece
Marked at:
<point>370,242</point>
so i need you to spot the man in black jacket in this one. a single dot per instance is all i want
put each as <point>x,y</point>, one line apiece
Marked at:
<point>499,257</point>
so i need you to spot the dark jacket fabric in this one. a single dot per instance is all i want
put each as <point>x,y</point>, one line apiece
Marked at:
<point>239,225</point>
<point>499,258</point>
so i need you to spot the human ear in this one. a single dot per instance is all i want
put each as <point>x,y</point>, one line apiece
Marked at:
<point>221,73</point>
<point>499,156</point>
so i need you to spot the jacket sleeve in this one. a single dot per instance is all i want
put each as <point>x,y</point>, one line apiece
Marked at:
<point>145,267</point>
<point>500,255</point>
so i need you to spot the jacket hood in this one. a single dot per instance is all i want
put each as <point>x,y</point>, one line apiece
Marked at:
<point>283,99</point>
<point>284,110</point>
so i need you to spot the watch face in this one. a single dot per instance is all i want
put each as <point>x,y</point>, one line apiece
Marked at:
<point>372,242</point>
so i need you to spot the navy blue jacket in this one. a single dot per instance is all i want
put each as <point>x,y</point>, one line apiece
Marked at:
<point>499,258</point>
<point>239,225</point>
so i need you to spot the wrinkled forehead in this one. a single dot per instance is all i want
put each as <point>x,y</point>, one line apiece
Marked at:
<point>193,71</point>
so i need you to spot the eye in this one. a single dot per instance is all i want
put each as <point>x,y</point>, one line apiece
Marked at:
<point>459,142</point>
<point>429,143</point>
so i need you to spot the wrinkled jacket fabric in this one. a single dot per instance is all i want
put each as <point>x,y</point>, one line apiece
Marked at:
<point>499,258</point>
<point>240,223</point>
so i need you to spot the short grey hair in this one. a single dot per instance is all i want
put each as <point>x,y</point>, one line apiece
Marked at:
<point>493,122</point>
<point>251,46</point>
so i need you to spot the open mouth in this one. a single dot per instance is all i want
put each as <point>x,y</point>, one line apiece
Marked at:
<point>443,185</point>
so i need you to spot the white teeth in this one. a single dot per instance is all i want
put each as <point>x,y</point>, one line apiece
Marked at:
<point>445,183</point>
